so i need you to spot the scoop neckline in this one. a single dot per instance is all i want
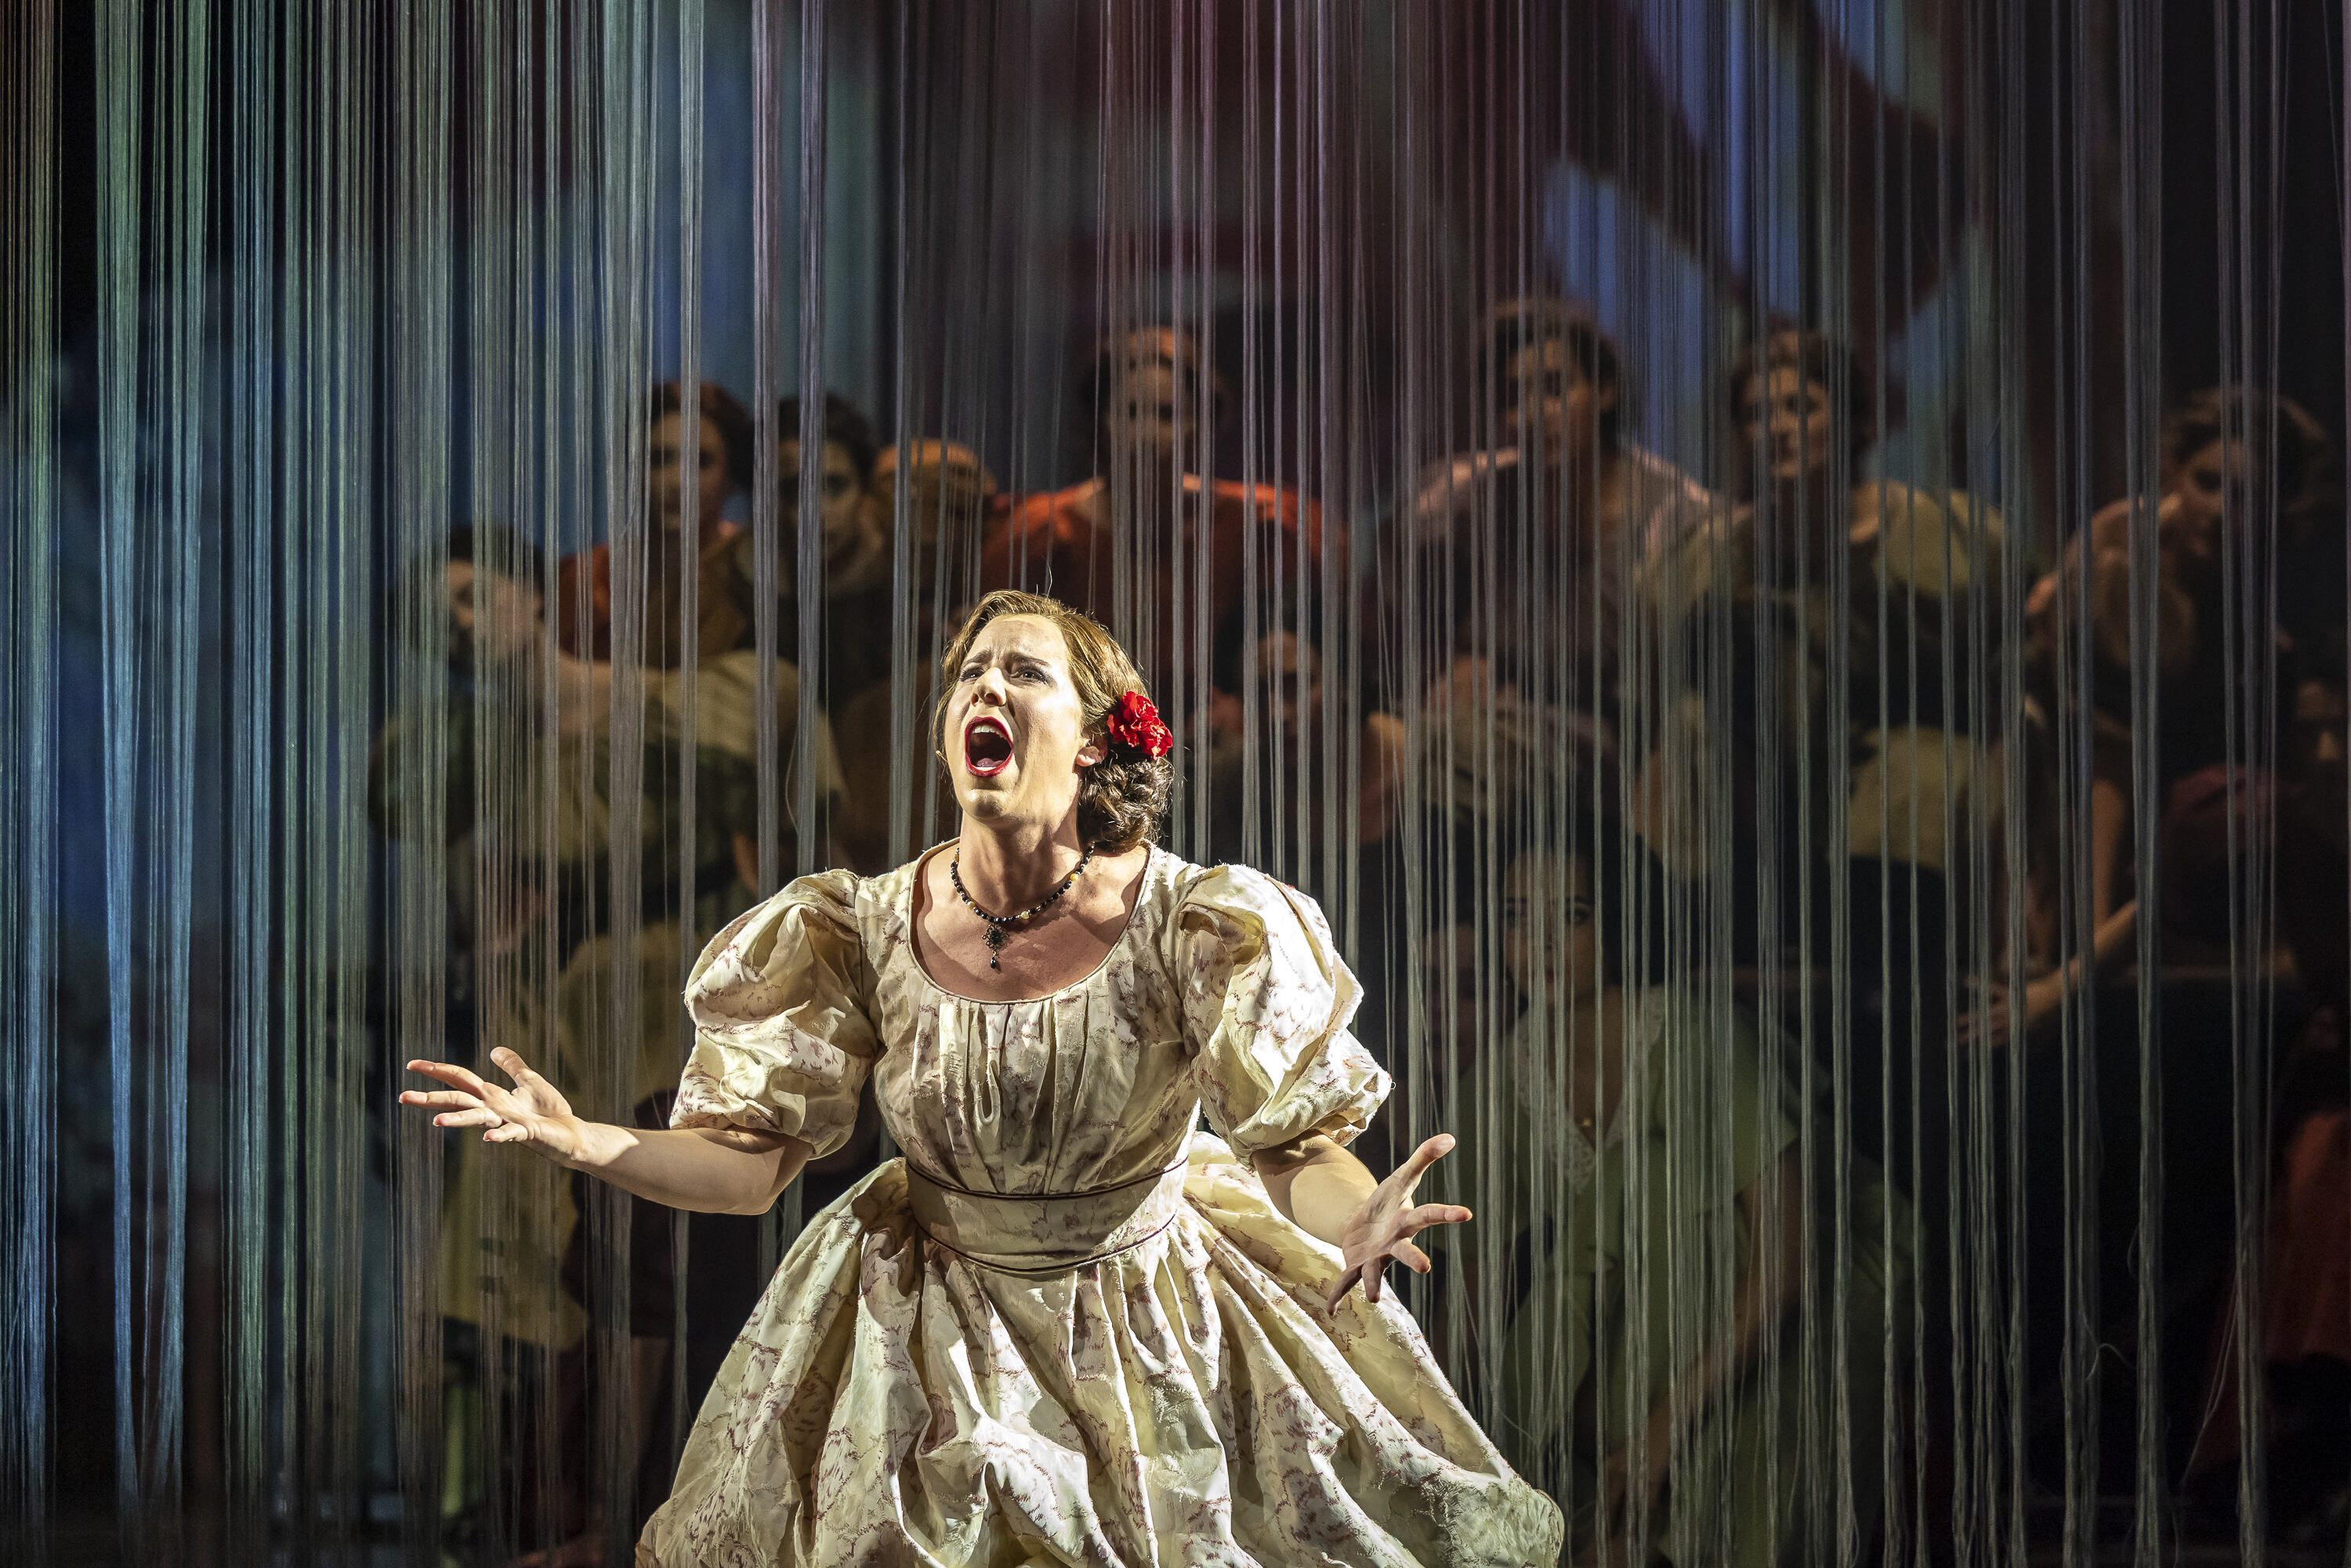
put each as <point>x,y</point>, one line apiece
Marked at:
<point>915,951</point>
<point>1640,1040</point>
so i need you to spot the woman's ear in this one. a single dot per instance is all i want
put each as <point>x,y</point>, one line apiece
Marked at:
<point>1092,752</point>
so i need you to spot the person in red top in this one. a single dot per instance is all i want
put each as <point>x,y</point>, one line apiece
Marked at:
<point>718,467</point>
<point>1150,395</point>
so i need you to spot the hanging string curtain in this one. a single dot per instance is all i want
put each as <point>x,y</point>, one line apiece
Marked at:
<point>1690,530</point>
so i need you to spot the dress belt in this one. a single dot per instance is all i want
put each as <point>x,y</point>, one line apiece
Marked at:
<point>1044,1232</point>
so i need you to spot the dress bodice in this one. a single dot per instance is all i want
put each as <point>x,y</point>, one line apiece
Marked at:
<point>1225,994</point>
<point>1084,1088</point>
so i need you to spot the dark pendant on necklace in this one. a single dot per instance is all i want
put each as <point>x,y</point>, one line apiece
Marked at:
<point>999,927</point>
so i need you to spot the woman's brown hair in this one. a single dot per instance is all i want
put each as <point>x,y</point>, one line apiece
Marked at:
<point>1121,798</point>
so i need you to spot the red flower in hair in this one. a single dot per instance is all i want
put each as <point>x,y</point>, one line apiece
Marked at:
<point>1135,722</point>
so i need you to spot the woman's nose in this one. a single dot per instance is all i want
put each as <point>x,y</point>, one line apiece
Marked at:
<point>991,686</point>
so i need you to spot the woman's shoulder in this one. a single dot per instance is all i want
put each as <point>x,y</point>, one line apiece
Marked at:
<point>1230,906</point>
<point>837,887</point>
<point>1702,1052</point>
<point>810,919</point>
<point>1224,884</point>
<point>828,895</point>
<point>1674,1022</point>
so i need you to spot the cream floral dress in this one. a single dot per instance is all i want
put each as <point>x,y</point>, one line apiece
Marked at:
<point>1067,1328</point>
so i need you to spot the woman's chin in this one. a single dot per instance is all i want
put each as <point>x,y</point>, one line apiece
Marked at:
<point>983,800</point>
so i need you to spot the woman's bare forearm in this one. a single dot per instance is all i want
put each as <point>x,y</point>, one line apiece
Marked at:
<point>1318,1186</point>
<point>707,1170</point>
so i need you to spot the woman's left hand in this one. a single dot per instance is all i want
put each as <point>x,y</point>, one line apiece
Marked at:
<point>1382,1228</point>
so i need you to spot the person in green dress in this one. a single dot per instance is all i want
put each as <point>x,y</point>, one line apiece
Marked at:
<point>1678,1303</point>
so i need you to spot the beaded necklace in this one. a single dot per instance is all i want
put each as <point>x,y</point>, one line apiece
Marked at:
<point>999,927</point>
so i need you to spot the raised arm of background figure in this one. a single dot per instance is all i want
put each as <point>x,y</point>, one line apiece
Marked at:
<point>1994,1025</point>
<point>583,695</point>
<point>710,1171</point>
<point>2184,550</point>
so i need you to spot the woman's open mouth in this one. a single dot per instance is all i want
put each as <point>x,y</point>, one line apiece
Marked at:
<point>986,747</point>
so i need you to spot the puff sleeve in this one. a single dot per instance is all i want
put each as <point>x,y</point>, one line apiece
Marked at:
<point>1267,1001</point>
<point>783,1035</point>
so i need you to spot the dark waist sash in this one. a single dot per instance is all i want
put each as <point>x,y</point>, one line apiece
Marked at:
<point>1044,1232</point>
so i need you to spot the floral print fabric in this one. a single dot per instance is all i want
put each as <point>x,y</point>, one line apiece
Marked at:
<point>1185,1400</point>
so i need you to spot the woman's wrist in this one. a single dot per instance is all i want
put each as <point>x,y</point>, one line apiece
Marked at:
<point>1317,1185</point>
<point>1331,1197</point>
<point>587,1147</point>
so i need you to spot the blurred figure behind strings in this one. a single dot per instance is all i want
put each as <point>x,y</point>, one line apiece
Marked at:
<point>718,469</point>
<point>948,496</point>
<point>1823,740</point>
<point>1305,782</point>
<point>1511,571</point>
<point>940,494</point>
<point>1864,606</point>
<point>1507,572</point>
<point>490,593</point>
<point>2248,490</point>
<point>1630,1140</point>
<point>1294,708</point>
<point>852,545</point>
<point>1525,551</point>
<point>2300,1261</point>
<point>1150,396</point>
<point>519,859</point>
<point>435,763</point>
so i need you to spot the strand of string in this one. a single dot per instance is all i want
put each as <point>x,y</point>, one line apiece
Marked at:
<point>422,387</point>
<point>691,44</point>
<point>28,718</point>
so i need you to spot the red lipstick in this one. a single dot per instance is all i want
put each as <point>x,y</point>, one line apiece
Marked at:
<point>986,747</point>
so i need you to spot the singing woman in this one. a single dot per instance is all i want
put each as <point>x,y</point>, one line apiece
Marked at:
<point>1066,1328</point>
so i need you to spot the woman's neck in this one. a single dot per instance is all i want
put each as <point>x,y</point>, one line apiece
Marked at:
<point>1009,866</point>
<point>1597,1060</point>
<point>1598,1021</point>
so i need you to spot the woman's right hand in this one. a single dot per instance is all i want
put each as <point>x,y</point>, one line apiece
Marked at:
<point>531,1113</point>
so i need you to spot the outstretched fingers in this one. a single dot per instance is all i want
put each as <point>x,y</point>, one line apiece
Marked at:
<point>514,1067</point>
<point>1372,1273</point>
<point>448,1072</point>
<point>467,1104</point>
<point>1410,1257</point>
<point>1415,1220</point>
<point>440,1099</point>
<point>1346,1283</point>
<point>1432,1149</point>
